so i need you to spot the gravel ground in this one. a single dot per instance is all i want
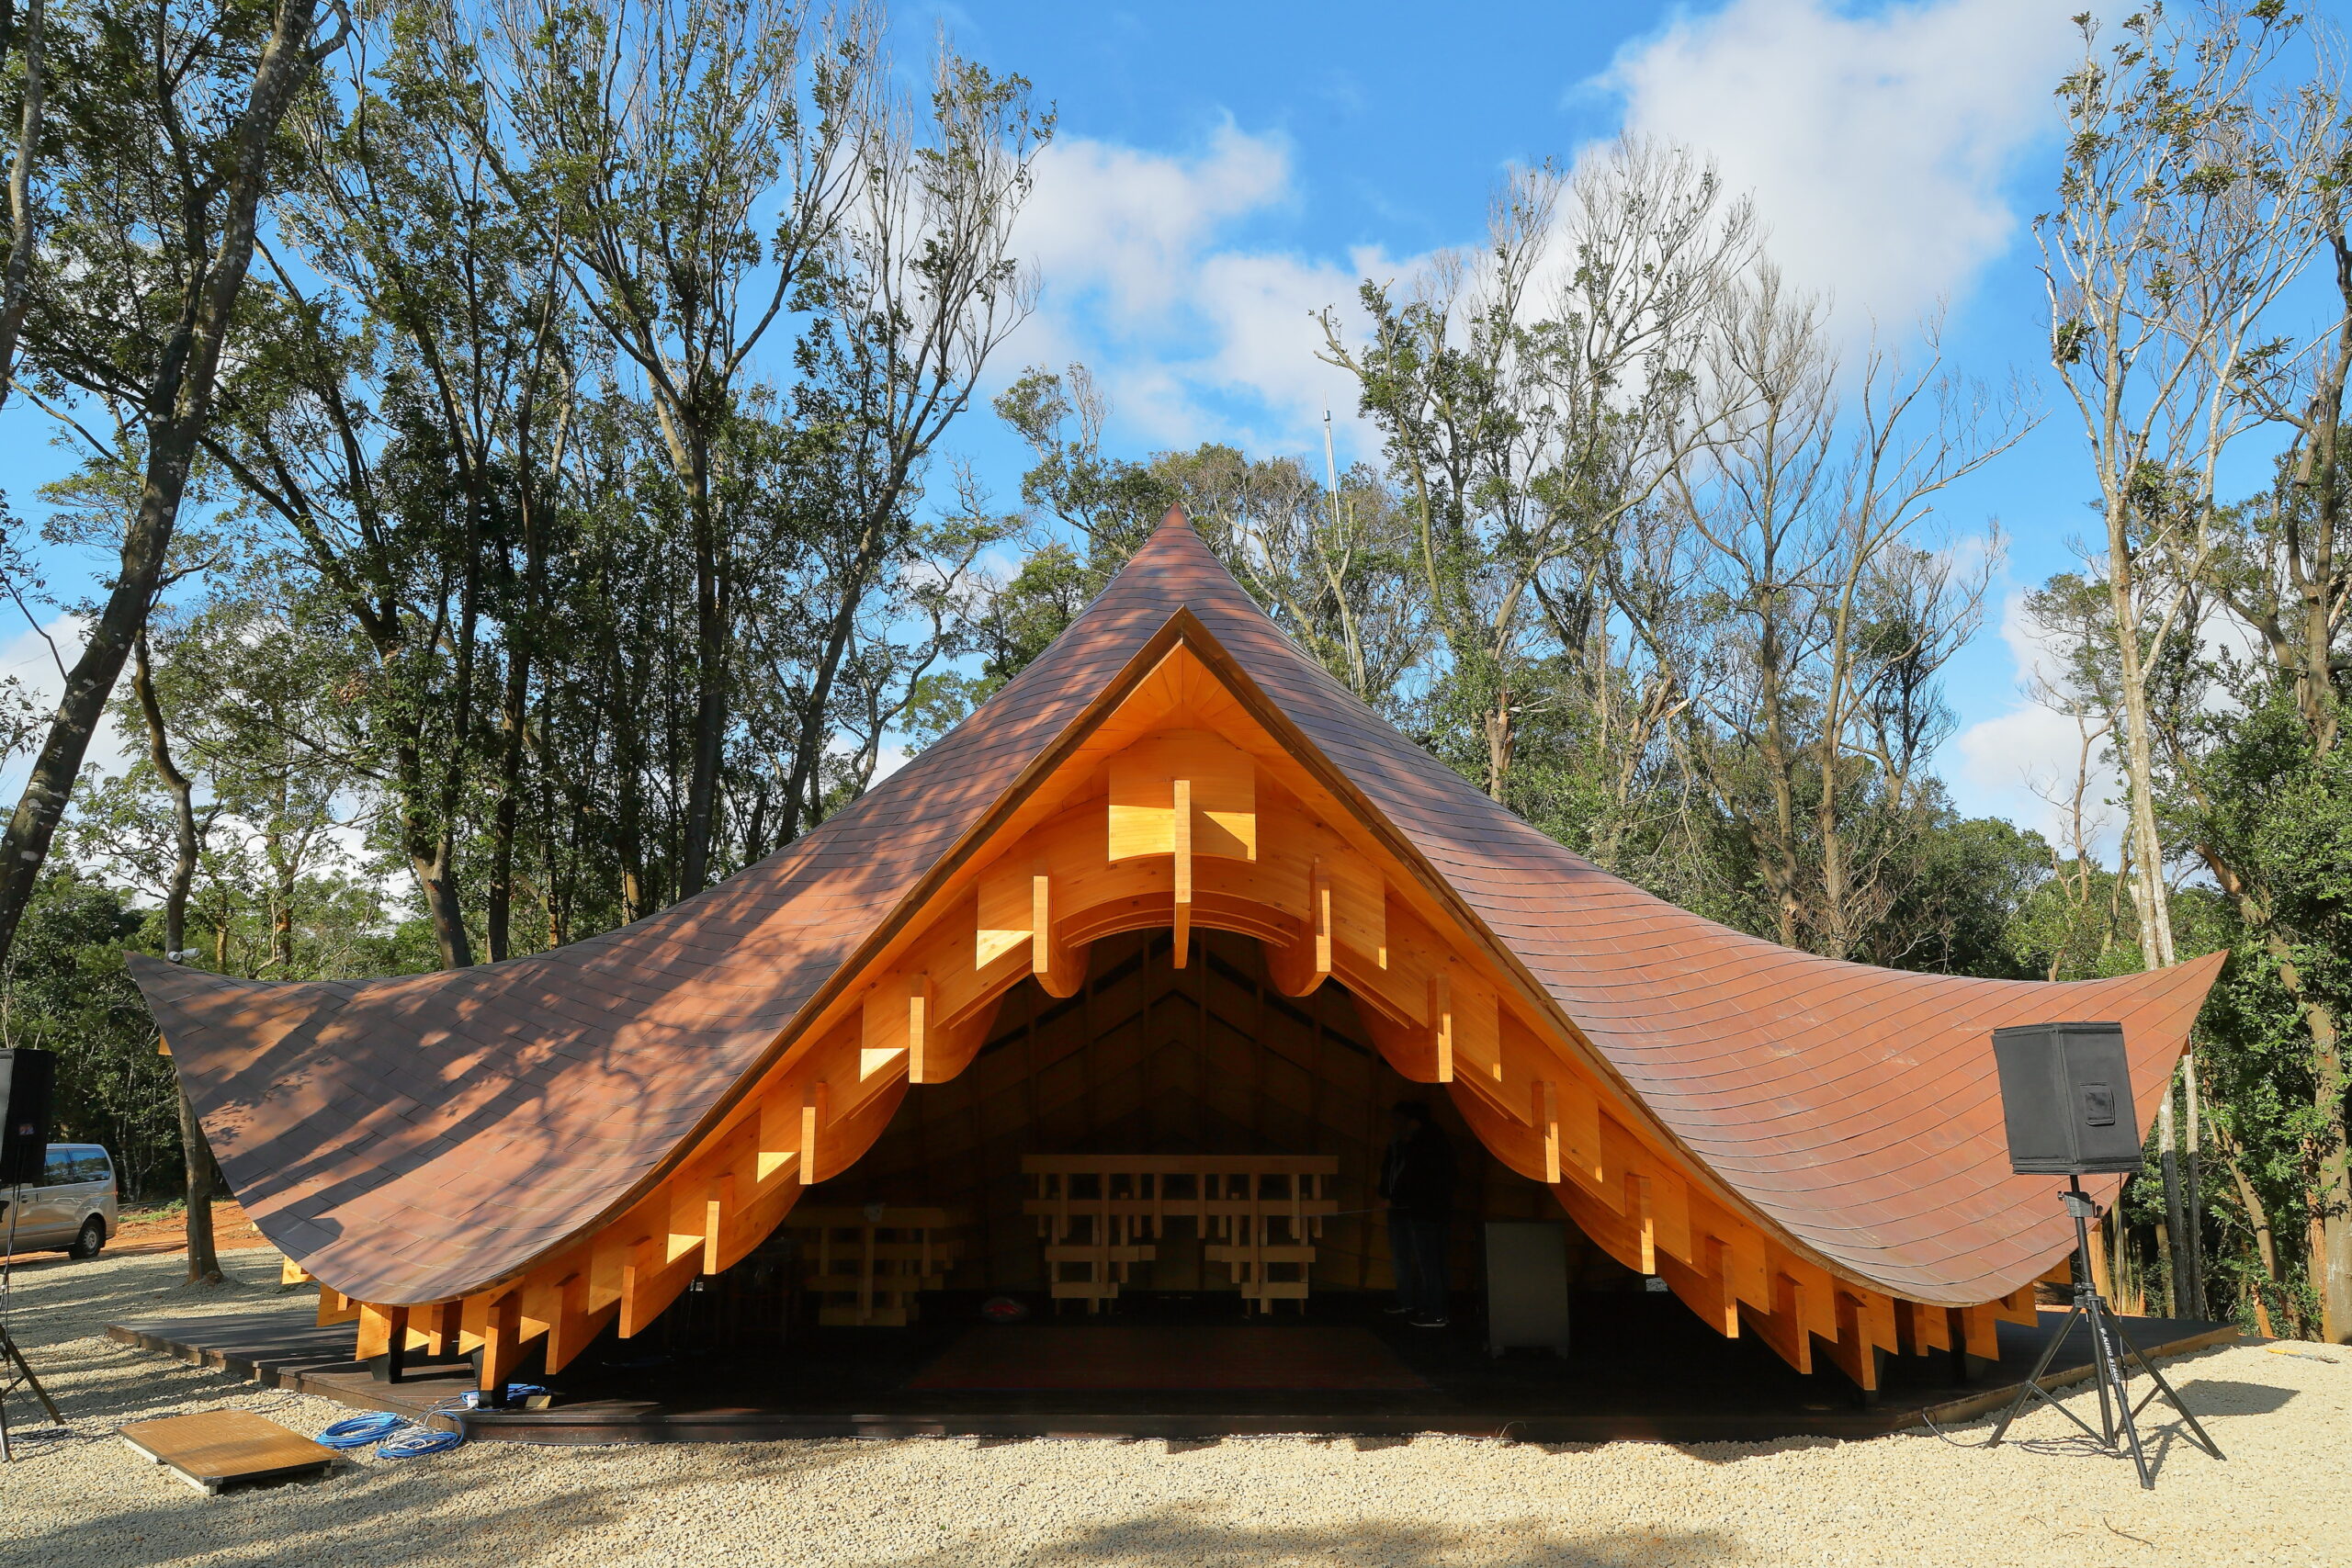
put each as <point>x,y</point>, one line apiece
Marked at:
<point>2284,1499</point>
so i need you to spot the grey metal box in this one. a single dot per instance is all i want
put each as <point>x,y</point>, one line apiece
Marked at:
<point>1527,1285</point>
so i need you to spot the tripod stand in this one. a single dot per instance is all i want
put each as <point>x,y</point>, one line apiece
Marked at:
<point>15,1369</point>
<point>2109,1346</point>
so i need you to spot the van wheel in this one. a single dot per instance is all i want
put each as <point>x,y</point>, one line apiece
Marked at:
<point>93,1236</point>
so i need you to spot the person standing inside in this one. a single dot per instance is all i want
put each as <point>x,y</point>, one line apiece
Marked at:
<point>1417,1180</point>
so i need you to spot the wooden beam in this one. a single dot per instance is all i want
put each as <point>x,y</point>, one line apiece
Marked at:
<point>1851,1350</point>
<point>779,1137</point>
<point>1441,1024</point>
<point>335,1307</point>
<point>1921,1329</point>
<point>814,1106</point>
<point>1979,1331</point>
<point>379,1326</point>
<point>919,1021</point>
<point>1643,1213</point>
<point>1547,1096</point>
<point>501,1340</point>
<point>1318,915</point>
<point>1782,1324</point>
<point>1181,838</point>
<point>717,1209</point>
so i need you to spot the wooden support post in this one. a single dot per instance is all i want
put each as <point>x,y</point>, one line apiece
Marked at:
<point>1318,898</point>
<point>1041,922</point>
<point>717,1209</point>
<point>1441,1024</point>
<point>779,1137</point>
<point>567,1326</point>
<point>813,1108</point>
<point>1642,1213</point>
<point>502,1341</point>
<point>1182,826</point>
<point>441,1323</point>
<point>919,1021</point>
<point>643,1263</point>
<point>1547,1127</point>
<point>383,1340</point>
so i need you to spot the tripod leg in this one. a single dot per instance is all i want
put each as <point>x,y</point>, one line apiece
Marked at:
<point>2111,1366</point>
<point>2033,1381</point>
<point>2149,1367</point>
<point>25,1367</point>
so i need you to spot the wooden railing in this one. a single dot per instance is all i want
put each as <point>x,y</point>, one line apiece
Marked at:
<point>1258,1215</point>
<point>867,1264</point>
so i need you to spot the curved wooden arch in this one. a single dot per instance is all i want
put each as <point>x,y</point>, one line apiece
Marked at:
<point>1181,813</point>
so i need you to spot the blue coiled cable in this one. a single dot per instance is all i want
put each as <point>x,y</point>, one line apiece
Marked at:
<point>360,1431</point>
<point>416,1442</point>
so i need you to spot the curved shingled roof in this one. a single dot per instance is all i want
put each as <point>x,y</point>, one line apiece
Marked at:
<point>417,1138</point>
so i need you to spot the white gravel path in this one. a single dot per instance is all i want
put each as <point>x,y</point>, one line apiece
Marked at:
<point>2284,1500</point>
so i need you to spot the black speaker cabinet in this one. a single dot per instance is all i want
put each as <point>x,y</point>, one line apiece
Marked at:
<point>26,1080</point>
<point>2067,1094</point>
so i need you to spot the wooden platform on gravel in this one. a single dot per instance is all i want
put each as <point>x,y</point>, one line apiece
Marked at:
<point>1654,1372</point>
<point>214,1448</point>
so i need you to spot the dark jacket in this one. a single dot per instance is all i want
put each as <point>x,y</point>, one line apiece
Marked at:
<point>1417,1173</point>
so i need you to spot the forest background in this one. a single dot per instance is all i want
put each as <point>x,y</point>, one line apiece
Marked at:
<point>525,431</point>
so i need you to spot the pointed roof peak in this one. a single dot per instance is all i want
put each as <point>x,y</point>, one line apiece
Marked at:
<point>1176,519</point>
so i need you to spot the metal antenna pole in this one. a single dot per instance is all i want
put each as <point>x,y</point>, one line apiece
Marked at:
<point>2111,1349</point>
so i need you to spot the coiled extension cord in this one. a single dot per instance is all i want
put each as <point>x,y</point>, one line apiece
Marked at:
<point>395,1436</point>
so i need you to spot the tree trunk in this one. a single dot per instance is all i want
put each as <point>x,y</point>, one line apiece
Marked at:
<point>202,1171</point>
<point>15,294</point>
<point>2175,1246</point>
<point>181,406</point>
<point>710,676</point>
<point>2193,1199</point>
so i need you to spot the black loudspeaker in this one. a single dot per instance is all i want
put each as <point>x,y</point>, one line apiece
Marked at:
<point>27,1078</point>
<point>2067,1094</point>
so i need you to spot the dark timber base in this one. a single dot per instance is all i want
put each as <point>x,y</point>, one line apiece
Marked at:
<point>1638,1371</point>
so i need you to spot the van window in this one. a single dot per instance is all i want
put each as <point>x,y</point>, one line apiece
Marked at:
<point>91,1165</point>
<point>58,1169</point>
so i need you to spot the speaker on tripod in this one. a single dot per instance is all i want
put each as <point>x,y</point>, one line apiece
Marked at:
<point>27,1081</point>
<point>2066,1100</point>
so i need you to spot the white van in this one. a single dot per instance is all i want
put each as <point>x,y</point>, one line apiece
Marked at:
<point>76,1207</point>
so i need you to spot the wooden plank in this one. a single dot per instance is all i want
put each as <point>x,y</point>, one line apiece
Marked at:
<point>214,1448</point>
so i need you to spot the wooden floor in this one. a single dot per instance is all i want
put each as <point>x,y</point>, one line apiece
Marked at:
<point>1642,1368</point>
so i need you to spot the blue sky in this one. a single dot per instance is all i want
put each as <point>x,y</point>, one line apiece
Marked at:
<point>1222,169</point>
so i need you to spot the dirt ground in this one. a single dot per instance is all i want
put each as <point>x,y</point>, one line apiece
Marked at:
<point>83,1500</point>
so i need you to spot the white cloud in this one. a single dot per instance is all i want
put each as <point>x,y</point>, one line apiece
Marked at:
<point>31,659</point>
<point>1192,336</point>
<point>2024,764</point>
<point>1876,145</point>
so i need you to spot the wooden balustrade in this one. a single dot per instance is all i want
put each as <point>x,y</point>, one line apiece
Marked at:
<point>1258,1215</point>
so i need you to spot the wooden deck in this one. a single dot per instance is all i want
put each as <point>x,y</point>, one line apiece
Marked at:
<point>1642,1370</point>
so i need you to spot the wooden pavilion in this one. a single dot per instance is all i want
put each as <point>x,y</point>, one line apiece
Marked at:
<point>969,970</point>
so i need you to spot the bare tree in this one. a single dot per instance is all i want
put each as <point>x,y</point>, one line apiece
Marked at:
<point>1534,393</point>
<point>2183,214</point>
